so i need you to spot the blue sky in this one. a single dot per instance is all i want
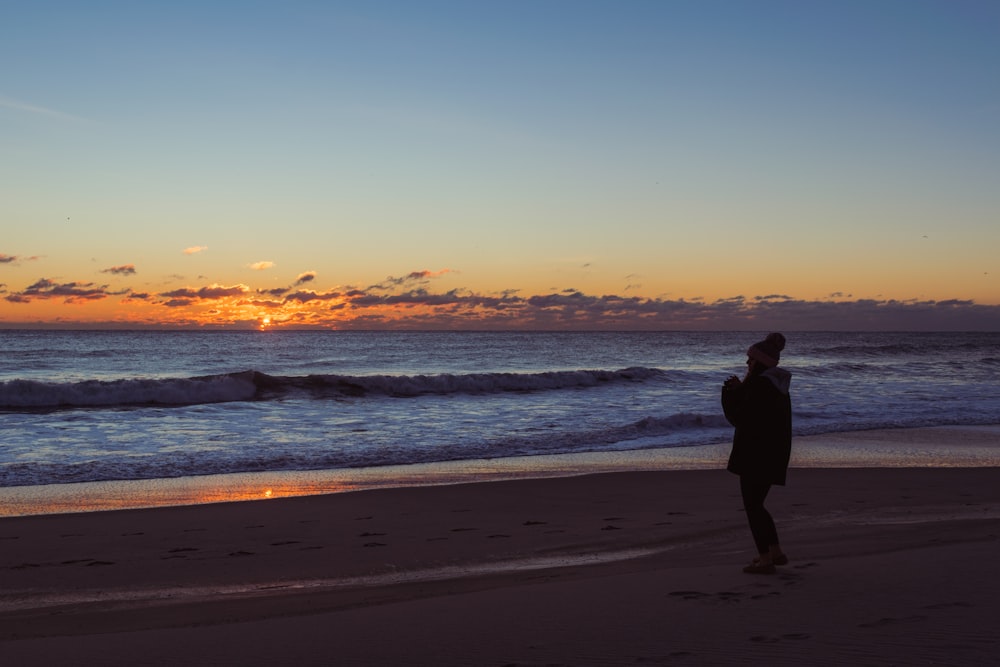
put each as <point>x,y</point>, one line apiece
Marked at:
<point>818,152</point>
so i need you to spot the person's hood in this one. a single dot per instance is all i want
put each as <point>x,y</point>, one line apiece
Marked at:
<point>779,377</point>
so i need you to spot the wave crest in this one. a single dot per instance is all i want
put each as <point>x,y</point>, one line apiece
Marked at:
<point>254,385</point>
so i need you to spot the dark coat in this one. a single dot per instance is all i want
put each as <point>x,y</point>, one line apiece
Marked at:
<point>761,410</point>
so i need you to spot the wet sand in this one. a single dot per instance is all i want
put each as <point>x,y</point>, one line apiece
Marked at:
<point>888,566</point>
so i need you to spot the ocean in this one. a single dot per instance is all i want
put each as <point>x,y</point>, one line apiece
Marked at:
<point>95,406</point>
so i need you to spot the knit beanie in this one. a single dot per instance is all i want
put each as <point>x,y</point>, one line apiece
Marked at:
<point>768,351</point>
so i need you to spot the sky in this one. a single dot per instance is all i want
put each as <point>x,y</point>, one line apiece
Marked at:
<point>543,164</point>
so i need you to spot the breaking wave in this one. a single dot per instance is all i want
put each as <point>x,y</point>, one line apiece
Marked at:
<point>253,385</point>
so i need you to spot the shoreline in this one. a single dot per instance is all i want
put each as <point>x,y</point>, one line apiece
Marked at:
<point>967,446</point>
<point>888,566</point>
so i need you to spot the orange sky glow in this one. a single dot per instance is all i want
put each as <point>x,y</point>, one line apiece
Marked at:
<point>652,165</point>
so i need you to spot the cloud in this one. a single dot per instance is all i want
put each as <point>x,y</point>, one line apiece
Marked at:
<point>412,277</point>
<point>195,249</point>
<point>302,279</point>
<point>261,266</point>
<point>72,292</point>
<point>420,275</point>
<point>13,259</point>
<point>123,270</point>
<point>17,105</point>
<point>410,302</point>
<point>304,296</point>
<point>572,309</point>
<point>206,293</point>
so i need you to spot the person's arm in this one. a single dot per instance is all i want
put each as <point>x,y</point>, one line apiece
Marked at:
<point>732,399</point>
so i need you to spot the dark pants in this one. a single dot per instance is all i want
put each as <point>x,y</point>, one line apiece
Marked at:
<point>761,524</point>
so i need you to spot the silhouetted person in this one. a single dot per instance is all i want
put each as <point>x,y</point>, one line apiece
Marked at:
<point>760,408</point>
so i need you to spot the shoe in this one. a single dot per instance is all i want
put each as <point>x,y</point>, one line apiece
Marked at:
<point>777,560</point>
<point>759,568</point>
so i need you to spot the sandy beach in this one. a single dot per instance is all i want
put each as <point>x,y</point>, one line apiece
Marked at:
<point>888,566</point>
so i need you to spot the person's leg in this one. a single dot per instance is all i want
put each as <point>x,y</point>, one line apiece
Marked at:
<point>765,535</point>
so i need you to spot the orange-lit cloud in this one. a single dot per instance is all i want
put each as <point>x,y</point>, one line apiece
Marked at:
<point>195,249</point>
<point>261,266</point>
<point>13,259</point>
<point>123,270</point>
<point>188,295</point>
<point>71,292</point>
<point>409,303</point>
<point>412,277</point>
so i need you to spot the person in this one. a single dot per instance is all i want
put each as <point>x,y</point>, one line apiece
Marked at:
<point>760,407</point>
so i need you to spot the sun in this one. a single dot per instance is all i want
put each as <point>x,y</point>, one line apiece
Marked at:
<point>265,322</point>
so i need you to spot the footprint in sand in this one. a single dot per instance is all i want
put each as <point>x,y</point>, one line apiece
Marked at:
<point>771,640</point>
<point>181,549</point>
<point>892,621</point>
<point>688,595</point>
<point>366,534</point>
<point>286,542</point>
<point>241,553</point>
<point>761,596</point>
<point>729,596</point>
<point>374,544</point>
<point>948,605</point>
<point>24,566</point>
<point>534,523</point>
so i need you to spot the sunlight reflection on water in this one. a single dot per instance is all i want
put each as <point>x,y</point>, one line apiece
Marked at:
<point>945,446</point>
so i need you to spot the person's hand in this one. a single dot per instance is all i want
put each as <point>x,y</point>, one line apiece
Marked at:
<point>731,381</point>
